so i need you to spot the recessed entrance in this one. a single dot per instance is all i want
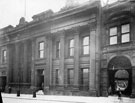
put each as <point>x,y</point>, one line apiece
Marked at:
<point>120,75</point>
<point>40,79</point>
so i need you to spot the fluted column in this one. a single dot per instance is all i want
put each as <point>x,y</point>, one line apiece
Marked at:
<point>133,83</point>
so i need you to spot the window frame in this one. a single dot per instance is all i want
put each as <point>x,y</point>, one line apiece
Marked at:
<point>71,47</point>
<point>41,50</point>
<point>88,45</point>
<point>4,56</point>
<point>111,36</point>
<point>125,33</point>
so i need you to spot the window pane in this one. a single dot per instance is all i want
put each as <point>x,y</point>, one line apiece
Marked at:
<point>113,40</point>
<point>4,53</point>
<point>125,28</point>
<point>41,55</point>
<point>113,31</point>
<point>86,40</point>
<point>72,43</point>
<point>86,50</point>
<point>86,77</point>
<point>57,76</point>
<point>41,46</point>
<point>125,38</point>
<point>71,51</point>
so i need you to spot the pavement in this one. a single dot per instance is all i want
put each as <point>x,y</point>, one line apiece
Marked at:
<point>40,98</point>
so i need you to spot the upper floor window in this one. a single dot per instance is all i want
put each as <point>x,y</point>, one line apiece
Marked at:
<point>119,34</point>
<point>113,36</point>
<point>70,76</point>
<point>41,50</point>
<point>57,49</point>
<point>86,45</point>
<point>4,56</point>
<point>125,33</point>
<point>71,47</point>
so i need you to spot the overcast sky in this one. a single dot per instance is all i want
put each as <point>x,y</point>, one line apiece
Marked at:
<point>12,10</point>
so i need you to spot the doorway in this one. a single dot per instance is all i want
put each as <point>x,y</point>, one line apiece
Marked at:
<point>40,79</point>
<point>120,76</point>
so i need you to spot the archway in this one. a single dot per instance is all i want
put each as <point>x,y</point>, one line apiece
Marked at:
<point>120,75</point>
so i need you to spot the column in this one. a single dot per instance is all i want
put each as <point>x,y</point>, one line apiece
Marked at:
<point>25,62</point>
<point>17,60</point>
<point>92,69</point>
<point>48,67</point>
<point>33,72</point>
<point>62,51</point>
<point>9,60</point>
<point>133,83</point>
<point>76,59</point>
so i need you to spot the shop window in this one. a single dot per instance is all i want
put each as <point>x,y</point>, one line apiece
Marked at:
<point>85,77</point>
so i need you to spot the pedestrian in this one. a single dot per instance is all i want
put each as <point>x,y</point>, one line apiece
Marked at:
<point>119,94</point>
<point>1,101</point>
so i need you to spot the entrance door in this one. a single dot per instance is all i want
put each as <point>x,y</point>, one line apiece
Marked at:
<point>120,76</point>
<point>40,78</point>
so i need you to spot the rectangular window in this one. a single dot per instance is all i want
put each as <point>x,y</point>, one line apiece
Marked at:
<point>85,77</point>
<point>70,76</point>
<point>86,45</point>
<point>71,47</point>
<point>57,76</point>
<point>57,49</point>
<point>41,50</point>
<point>4,56</point>
<point>113,36</point>
<point>125,33</point>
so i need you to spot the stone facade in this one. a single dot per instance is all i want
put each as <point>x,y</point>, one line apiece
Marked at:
<point>67,52</point>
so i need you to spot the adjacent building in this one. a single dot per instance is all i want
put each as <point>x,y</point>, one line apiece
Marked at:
<point>80,50</point>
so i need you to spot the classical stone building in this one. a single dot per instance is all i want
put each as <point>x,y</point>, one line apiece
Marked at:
<point>80,50</point>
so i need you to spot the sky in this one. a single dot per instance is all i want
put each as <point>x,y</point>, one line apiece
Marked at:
<point>12,10</point>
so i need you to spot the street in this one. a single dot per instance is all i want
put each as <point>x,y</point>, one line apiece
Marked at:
<point>25,98</point>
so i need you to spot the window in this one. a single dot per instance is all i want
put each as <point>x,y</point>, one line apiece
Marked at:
<point>57,76</point>
<point>113,36</point>
<point>86,45</point>
<point>4,56</point>
<point>85,77</point>
<point>71,47</point>
<point>57,49</point>
<point>125,33</point>
<point>70,76</point>
<point>41,50</point>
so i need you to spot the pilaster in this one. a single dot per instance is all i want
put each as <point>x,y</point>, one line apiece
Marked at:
<point>92,70</point>
<point>25,62</point>
<point>133,83</point>
<point>76,59</point>
<point>62,45</point>
<point>33,72</point>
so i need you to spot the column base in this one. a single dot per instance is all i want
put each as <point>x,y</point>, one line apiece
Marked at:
<point>93,93</point>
